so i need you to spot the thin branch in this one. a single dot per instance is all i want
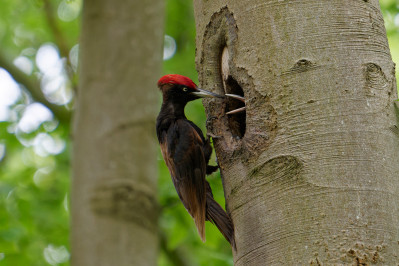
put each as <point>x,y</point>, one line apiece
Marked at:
<point>52,22</point>
<point>33,87</point>
<point>60,41</point>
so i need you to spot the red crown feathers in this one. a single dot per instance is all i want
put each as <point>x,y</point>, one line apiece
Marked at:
<point>176,79</point>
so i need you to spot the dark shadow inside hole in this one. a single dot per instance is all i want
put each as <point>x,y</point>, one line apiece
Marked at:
<point>236,121</point>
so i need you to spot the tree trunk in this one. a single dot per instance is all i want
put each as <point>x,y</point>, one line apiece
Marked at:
<point>114,206</point>
<point>311,170</point>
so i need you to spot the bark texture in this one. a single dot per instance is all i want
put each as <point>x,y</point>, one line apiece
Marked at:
<point>311,170</point>
<point>114,206</point>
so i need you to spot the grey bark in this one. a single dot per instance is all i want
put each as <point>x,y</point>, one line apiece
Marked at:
<point>114,206</point>
<point>311,171</point>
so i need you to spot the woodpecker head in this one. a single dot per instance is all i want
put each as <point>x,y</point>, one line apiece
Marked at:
<point>178,88</point>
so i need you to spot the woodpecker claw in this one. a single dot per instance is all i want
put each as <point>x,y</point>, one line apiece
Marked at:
<point>213,136</point>
<point>238,97</point>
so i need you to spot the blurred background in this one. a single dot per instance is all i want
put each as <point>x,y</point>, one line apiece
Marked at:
<point>39,57</point>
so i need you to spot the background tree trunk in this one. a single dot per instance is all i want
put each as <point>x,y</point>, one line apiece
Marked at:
<point>114,206</point>
<point>311,171</point>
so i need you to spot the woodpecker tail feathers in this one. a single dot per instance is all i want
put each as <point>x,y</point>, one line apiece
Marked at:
<point>216,215</point>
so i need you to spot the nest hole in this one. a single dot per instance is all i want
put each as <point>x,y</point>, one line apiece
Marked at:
<point>237,123</point>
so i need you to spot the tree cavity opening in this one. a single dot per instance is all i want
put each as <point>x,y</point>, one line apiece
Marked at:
<point>237,121</point>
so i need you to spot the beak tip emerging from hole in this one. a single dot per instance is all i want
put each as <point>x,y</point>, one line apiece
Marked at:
<point>235,96</point>
<point>235,107</point>
<point>238,97</point>
<point>239,110</point>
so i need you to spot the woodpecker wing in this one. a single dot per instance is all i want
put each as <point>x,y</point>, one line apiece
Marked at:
<point>183,154</point>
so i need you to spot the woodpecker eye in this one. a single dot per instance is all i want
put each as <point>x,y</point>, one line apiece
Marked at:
<point>185,89</point>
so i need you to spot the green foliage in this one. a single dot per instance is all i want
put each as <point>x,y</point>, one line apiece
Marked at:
<point>34,202</point>
<point>34,181</point>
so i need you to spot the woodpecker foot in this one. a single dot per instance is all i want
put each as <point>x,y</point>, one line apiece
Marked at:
<point>213,135</point>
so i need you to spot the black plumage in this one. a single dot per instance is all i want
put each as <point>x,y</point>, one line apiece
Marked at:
<point>187,152</point>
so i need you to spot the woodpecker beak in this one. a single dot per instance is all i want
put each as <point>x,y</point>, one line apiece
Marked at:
<point>203,94</point>
<point>240,98</point>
